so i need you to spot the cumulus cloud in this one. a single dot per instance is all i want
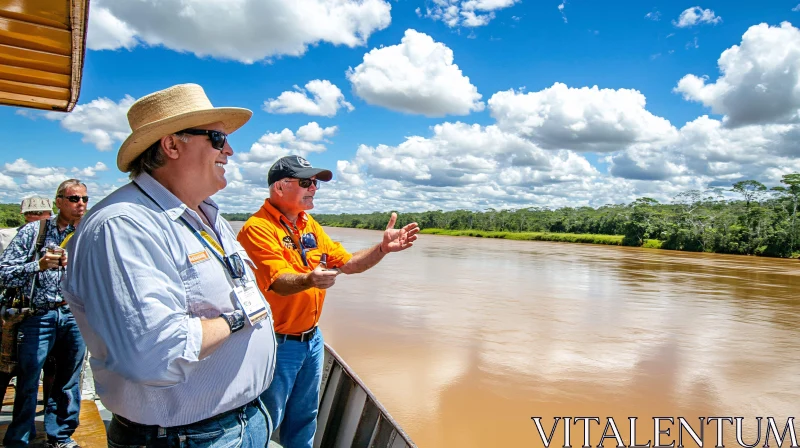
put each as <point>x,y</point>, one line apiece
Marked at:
<point>325,100</point>
<point>7,183</point>
<point>460,155</point>
<point>274,145</point>
<point>245,31</point>
<point>580,119</point>
<point>696,16</point>
<point>102,122</point>
<point>106,32</point>
<point>417,76</point>
<point>466,13</point>
<point>760,81</point>
<point>712,153</point>
<point>23,178</point>
<point>89,171</point>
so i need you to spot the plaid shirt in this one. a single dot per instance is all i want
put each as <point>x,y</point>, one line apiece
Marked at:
<point>18,271</point>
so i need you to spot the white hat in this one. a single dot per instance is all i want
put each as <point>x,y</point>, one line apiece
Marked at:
<point>36,204</point>
<point>171,110</point>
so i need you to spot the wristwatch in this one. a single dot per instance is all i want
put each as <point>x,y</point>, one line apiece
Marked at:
<point>235,320</point>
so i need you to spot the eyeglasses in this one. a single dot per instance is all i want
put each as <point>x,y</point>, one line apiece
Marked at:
<point>305,183</point>
<point>217,138</point>
<point>75,198</point>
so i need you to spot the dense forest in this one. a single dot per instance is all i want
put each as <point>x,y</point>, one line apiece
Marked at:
<point>759,221</point>
<point>10,216</point>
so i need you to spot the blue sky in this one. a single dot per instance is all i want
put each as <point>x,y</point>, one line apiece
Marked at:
<point>443,104</point>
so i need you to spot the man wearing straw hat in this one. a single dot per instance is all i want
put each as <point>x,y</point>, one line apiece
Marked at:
<point>181,339</point>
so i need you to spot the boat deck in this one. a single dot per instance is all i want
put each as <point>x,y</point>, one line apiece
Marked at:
<point>91,433</point>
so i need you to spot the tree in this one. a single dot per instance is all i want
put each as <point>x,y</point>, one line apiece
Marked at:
<point>750,190</point>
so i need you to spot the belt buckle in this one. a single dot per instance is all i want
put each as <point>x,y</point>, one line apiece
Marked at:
<point>307,335</point>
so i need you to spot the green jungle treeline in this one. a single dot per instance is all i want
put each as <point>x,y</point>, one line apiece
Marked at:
<point>10,216</point>
<point>760,222</point>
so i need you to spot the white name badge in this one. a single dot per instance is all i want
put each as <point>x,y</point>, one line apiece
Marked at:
<point>251,302</point>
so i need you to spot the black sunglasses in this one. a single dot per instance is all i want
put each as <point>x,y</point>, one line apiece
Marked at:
<point>305,183</point>
<point>217,138</point>
<point>75,198</point>
<point>235,266</point>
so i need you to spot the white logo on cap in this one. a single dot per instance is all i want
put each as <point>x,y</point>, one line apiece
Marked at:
<point>303,162</point>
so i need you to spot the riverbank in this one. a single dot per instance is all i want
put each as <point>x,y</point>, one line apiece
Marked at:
<point>610,240</point>
<point>585,238</point>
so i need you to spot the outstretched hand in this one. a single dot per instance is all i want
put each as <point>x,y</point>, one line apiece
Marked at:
<point>395,240</point>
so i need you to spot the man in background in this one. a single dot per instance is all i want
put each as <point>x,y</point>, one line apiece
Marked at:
<point>37,266</point>
<point>297,262</point>
<point>33,209</point>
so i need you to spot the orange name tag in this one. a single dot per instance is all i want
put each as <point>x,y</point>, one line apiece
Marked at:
<point>198,257</point>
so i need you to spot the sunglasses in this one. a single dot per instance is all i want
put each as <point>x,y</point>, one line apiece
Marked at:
<point>217,138</point>
<point>305,183</point>
<point>75,198</point>
<point>235,266</point>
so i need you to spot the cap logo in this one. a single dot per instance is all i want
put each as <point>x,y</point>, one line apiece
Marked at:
<point>303,162</point>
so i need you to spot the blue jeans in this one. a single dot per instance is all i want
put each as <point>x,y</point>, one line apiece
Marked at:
<point>247,427</point>
<point>54,333</point>
<point>292,398</point>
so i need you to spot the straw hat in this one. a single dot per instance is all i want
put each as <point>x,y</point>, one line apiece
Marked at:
<point>171,110</point>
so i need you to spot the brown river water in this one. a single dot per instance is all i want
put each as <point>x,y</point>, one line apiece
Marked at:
<point>464,339</point>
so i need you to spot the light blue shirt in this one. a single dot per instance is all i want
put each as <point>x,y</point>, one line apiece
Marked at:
<point>138,283</point>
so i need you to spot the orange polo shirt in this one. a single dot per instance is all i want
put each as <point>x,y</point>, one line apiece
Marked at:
<point>273,250</point>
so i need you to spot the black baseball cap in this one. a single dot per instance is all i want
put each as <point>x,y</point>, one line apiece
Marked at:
<point>297,167</point>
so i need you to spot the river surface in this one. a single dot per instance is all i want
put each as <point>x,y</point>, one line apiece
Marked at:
<point>465,339</point>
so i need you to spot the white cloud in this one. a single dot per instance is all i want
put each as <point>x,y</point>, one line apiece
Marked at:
<point>7,183</point>
<point>241,30</point>
<point>274,145</point>
<point>712,153</point>
<point>581,119</point>
<point>796,8</point>
<point>22,178</point>
<point>326,99</point>
<point>89,171</point>
<point>102,121</point>
<point>760,80</point>
<point>416,76</point>
<point>695,16</point>
<point>22,167</point>
<point>107,32</point>
<point>653,15</point>
<point>466,13</point>
<point>561,10</point>
<point>313,132</point>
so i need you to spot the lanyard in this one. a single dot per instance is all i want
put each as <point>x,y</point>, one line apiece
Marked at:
<point>296,241</point>
<point>205,240</point>
<point>231,266</point>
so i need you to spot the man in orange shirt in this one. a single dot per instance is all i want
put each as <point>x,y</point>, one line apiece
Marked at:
<point>296,263</point>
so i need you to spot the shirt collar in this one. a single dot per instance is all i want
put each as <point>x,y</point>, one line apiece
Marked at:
<point>302,217</point>
<point>170,203</point>
<point>54,224</point>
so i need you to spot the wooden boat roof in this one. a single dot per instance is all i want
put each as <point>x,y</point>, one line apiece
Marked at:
<point>42,46</point>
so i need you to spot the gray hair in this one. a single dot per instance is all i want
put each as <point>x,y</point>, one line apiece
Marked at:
<point>151,159</point>
<point>68,183</point>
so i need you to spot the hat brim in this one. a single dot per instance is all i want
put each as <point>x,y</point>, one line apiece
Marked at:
<point>232,118</point>
<point>323,175</point>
